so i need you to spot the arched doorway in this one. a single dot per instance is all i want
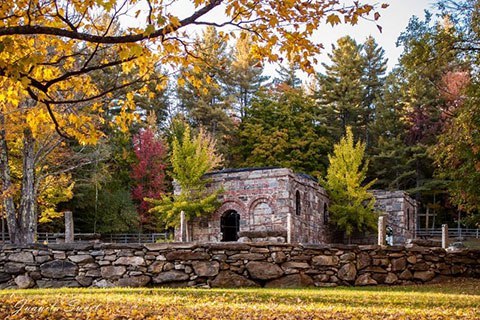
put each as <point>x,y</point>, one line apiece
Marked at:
<point>230,225</point>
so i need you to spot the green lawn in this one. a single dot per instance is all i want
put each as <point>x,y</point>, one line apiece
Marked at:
<point>451,300</point>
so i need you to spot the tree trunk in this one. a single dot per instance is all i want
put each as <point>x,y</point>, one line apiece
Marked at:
<point>27,208</point>
<point>6,179</point>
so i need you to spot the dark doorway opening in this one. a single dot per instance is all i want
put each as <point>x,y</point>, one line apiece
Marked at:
<point>230,225</point>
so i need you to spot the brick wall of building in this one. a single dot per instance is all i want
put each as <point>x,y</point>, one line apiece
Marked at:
<point>263,198</point>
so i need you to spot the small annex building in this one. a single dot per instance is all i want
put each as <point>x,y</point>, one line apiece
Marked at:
<point>276,204</point>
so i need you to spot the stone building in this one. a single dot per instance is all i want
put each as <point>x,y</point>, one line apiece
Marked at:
<point>264,203</point>
<point>276,204</point>
<point>400,210</point>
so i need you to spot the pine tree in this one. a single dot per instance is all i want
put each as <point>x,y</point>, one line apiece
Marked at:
<point>288,75</point>
<point>341,89</point>
<point>351,206</point>
<point>245,76</point>
<point>375,66</point>
<point>202,88</point>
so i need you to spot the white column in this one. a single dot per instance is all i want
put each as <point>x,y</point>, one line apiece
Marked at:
<point>382,231</point>
<point>289,228</point>
<point>183,227</point>
<point>69,232</point>
<point>444,236</point>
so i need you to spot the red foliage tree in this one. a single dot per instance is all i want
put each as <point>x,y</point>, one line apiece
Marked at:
<point>148,173</point>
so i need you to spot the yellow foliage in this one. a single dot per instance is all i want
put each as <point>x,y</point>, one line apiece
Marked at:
<point>54,189</point>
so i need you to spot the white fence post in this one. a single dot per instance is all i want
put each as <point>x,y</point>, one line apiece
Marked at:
<point>69,232</point>
<point>382,231</point>
<point>289,227</point>
<point>183,229</point>
<point>444,236</point>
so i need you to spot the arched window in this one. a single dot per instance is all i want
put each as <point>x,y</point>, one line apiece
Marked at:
<point>298,203</point>
<point>408,219</point>
<point>325,213</point>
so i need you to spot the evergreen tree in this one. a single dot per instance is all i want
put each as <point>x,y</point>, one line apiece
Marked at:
<point>351,205</point>
<point>245,76</point>
<point>341,89</point>
<point>202,88</point>
<point>375,66</point>
<point>282,129</point>
<point>288,75</point>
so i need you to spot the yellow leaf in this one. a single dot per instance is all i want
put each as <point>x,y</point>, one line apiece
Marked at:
<point>333,19</point>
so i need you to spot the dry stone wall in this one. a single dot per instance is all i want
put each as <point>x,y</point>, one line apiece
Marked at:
<point>227,265</point>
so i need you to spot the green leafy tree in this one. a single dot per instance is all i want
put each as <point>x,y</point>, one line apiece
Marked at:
<point>192,157</point>
<point>351,206</point>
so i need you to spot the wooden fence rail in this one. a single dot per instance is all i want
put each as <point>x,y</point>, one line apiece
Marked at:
<point>43,237</point>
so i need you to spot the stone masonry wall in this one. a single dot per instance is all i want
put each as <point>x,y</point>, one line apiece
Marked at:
<point>227,265</point>
<point>263,197</point>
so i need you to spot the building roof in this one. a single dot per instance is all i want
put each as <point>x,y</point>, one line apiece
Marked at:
<point>234,170</point>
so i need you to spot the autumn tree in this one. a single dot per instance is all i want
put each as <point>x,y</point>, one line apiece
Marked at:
<point>49,51</point>
<point>193,155</point>
<point>352,205</point>
<point>148,173</point>
<point>456,153</point>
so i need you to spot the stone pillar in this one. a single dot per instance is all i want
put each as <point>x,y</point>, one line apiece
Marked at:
<point>382,230</point>
<point>183,227</point>
<point>289,228</point>
<point>444,236</point>
<point>69,232</point>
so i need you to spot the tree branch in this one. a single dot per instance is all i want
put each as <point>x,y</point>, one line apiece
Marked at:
<point>71,34</point>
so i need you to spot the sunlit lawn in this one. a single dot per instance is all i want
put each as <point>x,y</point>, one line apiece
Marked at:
<point>452,300</point>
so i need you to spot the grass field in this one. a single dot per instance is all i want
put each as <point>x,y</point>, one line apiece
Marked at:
<point>451,300</point>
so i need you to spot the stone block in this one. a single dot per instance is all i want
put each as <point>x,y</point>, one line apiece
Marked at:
<point>58,269</point>
<point>263,270</point>
<point>135,282</point>
<point>325,260</point>
<point>229,279</point>
<point>347,272</point>
<point>206,268</point>
<point>111,272</point>
<point>365,280</point>
<point>186,255</point>
<point>23,257</point>
<point>130,261</point>
<point>81,259</point>
<point>170,276</point>
<point>291,281</point>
